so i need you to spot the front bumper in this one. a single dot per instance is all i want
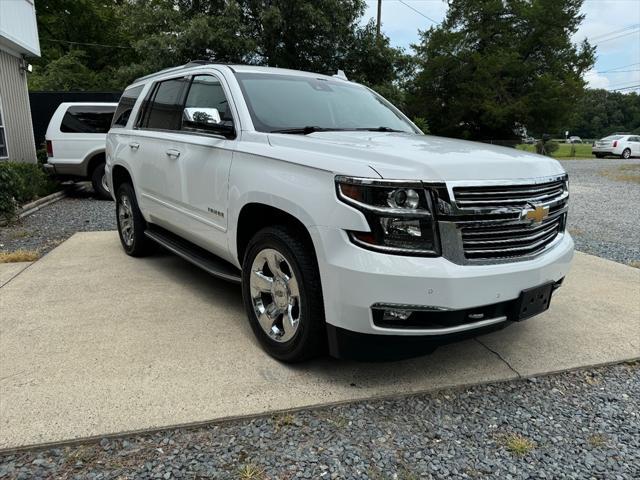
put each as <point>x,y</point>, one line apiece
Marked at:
<point>354,280</point>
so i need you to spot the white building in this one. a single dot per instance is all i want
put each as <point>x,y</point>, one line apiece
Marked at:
<point>18,41</point>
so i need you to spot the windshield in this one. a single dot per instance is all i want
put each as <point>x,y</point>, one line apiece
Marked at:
<point>288,102</point>
<point>613,137</point>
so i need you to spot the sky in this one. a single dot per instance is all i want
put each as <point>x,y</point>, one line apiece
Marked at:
<point>612,25</point>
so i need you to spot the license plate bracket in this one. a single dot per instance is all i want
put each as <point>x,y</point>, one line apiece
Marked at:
<point>533,301</point>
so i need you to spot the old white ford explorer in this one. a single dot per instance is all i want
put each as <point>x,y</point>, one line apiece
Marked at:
<point>349,230</point>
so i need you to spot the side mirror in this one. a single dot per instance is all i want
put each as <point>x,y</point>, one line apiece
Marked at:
<point>206,119</point>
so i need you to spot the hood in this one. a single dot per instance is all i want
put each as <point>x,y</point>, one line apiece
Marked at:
<point>418,157</point>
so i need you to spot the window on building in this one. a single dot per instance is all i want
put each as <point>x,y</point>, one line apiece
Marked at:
<point>127,101</point>
<point>87,119</point>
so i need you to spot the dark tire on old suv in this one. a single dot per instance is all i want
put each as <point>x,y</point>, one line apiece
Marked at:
<point>282,294</point>
<point>99,182</point>
<point>131,223</point>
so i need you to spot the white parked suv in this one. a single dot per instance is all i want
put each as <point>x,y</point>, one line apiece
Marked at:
<point>623,146</point>
<point>348,228</point>
<point>75,141</point>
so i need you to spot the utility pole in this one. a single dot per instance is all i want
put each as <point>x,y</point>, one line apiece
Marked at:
<point>379,15</point>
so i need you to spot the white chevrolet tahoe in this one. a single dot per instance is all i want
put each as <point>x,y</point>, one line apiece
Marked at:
<point>349,230</point>
<point>75,142</point>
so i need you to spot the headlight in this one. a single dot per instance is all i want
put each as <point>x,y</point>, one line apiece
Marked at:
<point>400,215</point>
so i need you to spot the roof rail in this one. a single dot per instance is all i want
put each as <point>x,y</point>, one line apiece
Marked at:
<point>191,63</point>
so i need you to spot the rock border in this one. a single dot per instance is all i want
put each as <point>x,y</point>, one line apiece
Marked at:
<point>36,205</point>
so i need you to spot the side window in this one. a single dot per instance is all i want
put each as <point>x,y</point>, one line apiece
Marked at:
<point>87,119</point>
<point>164,109</point>
<point>127,101</point>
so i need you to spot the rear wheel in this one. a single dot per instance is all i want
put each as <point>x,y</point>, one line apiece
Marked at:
<point>626,153</point>
<point>599,155</point>
<point>131,223</point>
<point>99,182</point>
<point>282,294</point>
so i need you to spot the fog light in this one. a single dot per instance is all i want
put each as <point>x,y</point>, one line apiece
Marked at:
<point>395,314</point>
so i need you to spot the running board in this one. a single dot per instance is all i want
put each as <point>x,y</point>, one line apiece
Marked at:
<point>192,253</point>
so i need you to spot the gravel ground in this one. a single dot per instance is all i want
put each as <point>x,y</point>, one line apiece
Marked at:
<point>46,228</point>
<point>603,211</point>
<point>581,424</point>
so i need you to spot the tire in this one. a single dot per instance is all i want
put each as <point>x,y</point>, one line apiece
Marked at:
<point>131,223</point>
<point>294,330</point>
<point>626,153</point>
<point>99,182</point>
<point>599,155</point>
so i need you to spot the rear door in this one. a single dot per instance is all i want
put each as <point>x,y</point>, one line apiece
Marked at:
<point>159,174</point>
<point>635,145</point>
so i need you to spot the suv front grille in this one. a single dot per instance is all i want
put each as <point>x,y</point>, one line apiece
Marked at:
<point>512,196</point>
<point>491,221</point>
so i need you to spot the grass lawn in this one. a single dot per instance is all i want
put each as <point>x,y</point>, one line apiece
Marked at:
<point>583,150</point>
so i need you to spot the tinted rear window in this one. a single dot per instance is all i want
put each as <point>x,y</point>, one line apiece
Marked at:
<point>87,119</point>
<point>127,101</point>
<point>164,111</point>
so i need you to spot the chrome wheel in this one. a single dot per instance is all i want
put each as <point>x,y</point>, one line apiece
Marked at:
<point>275,295</point>
<point>626,154</point>
<point>125,220</point>
<point>103,182</point>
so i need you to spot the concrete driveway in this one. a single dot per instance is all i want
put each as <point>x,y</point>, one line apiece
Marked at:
<point>93,342</point>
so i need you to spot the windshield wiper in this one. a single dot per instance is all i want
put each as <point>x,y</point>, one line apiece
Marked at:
<point>380,129</point>
<point>307,130</point>
<point>312,129</point>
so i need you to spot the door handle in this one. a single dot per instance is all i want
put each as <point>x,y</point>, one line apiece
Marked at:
<point>173,153</point>
<point>134,145</point>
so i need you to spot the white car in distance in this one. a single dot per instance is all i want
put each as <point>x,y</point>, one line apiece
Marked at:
<point>623,146</point>
<point>349,230</point>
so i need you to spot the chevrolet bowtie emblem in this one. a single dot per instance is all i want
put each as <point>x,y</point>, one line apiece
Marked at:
<point>535,215</point>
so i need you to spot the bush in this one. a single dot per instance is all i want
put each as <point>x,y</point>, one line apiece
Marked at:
<point>20,183</point>
<point>546,147</point>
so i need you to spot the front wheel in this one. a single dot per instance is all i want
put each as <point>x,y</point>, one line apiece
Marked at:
<point>626,154</point>
<point>99,182</point>
<point>282,294</point>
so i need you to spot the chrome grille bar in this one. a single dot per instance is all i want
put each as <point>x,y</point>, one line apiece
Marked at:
<point>491,219</point>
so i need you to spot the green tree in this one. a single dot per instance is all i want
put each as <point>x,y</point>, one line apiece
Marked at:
<point>600,112</point>
<point>495,65</point>
<point>83,37</point>
<point>112,43</point>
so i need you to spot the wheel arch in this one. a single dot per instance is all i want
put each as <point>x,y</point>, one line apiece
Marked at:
<point>120,175</point>
<point>94,159</point>
<point>255,216</point>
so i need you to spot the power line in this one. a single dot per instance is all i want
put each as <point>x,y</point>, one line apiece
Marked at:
<point>621,66</point>
<point>622,84</point>
<point>633,87</point>
<point>628,27</point>
<point>593,72</point>
<point>418,12</point>
<point>89,44</point>
<point>616,37</point>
